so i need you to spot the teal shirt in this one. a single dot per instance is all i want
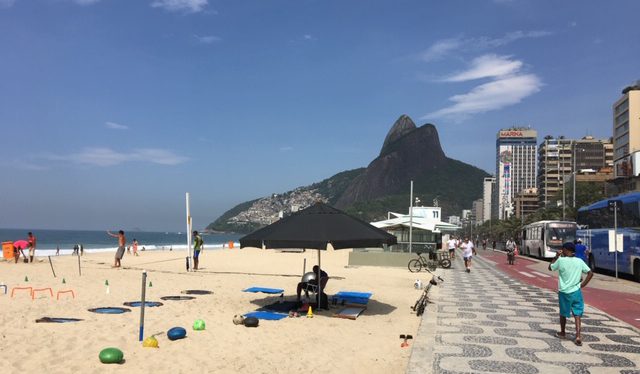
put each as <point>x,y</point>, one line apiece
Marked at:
<point>570,271</point>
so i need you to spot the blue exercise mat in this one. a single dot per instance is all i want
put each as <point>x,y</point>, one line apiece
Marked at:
<point>149,304</point>
<point>271,316</point>
<point>110,310</point>
<point>264,290</point>
<point>352,297</point>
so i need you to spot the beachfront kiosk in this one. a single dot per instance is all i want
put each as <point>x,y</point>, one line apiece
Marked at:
<point>421,232</point>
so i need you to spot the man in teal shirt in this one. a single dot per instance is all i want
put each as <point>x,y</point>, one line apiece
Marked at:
<point>570,270</point>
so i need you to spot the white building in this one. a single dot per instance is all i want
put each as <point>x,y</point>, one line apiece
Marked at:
<point>424,229</point>
<point>515,167</point>
<point>487,193</point>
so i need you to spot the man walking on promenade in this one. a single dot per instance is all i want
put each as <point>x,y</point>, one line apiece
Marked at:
<point>122,242</point>
<point>582,252</point>
<point>570,270</point>
<point>451,244</point>
<point>468,250</point>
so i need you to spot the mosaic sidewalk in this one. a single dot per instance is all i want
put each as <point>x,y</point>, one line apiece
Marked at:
<point>486,322</point>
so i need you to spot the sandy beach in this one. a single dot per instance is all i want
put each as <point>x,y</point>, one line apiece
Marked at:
<point>322,344</point>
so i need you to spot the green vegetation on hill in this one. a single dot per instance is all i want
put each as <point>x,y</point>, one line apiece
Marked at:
<point>332,188</point>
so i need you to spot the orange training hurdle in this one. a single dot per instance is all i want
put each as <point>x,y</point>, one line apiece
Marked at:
<point>65,291</point>
<point>14,289</point>
<point>33,293</point>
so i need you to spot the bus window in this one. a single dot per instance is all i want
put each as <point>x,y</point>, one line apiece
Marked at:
<point>542,234</point>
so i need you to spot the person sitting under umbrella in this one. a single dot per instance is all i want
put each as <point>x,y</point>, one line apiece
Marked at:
<point>310,279</point>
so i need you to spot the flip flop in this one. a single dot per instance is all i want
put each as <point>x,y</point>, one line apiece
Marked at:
<point>578,342</point>
<point>560,336</point>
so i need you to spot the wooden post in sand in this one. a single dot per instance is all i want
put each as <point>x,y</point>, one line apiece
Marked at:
<point>53,271</point>
<point>188,231</point>
<point>79,269</point>
<point>142,303</point>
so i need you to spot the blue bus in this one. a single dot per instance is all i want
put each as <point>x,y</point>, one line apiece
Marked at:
<point>596,220</point>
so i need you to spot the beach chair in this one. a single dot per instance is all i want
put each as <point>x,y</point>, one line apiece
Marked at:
<point>313,289</point>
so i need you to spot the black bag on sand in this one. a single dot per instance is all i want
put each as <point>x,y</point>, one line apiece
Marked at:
<point>251,322</point>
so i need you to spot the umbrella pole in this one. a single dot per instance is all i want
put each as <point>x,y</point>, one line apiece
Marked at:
<point>319,282</point>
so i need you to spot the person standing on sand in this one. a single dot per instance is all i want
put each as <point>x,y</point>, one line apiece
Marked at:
<point>198,245</point>
<point>135,247</point>
<point>570,270</point>
<point>32,246</point>
<point>122,243</point>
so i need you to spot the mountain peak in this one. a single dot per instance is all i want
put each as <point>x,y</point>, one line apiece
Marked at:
<point>403,125</point>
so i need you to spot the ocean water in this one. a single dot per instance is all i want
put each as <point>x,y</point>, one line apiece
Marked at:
<point>99,241</point>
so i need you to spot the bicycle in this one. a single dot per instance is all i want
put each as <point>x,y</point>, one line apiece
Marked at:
<point>421,303</point>
<point>431,263</point>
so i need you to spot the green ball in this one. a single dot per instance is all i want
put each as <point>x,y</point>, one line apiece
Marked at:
<point>198,325</point>
<point>111,356</point>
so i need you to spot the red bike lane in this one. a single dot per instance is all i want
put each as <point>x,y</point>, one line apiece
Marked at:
<point>622,305</point>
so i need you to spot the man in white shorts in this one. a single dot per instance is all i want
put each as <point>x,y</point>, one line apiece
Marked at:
<point>468,250</point>
<point>451,244</point>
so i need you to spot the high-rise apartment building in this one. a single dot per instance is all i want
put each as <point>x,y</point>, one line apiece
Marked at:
<point>560,159</point>
<point>487,193</point>
<point>626,139</point>
<point>477,211</point>
<point>515,167</point>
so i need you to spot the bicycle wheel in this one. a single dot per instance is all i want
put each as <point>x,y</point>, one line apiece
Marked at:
<point>421,307</point>
<point>415,306</point>
<point>414,266</point>
<point>445,263</point>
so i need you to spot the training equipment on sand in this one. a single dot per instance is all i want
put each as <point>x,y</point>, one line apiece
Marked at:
<point>251,322</point>
<point>350,312</point>
<point>198,325</point>
<point>150,342</point>
<point>111,356</point>
<point>264,290</point>
<point>310,312</point>
<point>110,310</point>
<point>271,316</point>
<point>238,319</point>
<point>56,320</point>
<point>33,293</point>
<point>62,292</point>
<point>177,298</point>
<point>197,292</point>
<point>176,333</point>
<point>14,289</point>
<point>26,279</point>
<point>148,304</point>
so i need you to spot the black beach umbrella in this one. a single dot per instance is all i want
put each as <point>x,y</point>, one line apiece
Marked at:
<point>315,227</point>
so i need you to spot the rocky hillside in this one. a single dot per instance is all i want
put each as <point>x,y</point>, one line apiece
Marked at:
<point>408,153</point>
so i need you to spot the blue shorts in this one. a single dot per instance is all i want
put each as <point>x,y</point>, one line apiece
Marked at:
<point>571,303</point>
<point>196,253</point>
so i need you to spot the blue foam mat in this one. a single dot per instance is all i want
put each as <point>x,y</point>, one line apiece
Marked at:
<point>264,290</point>
<point>271,316</point>
<point>352,297</point>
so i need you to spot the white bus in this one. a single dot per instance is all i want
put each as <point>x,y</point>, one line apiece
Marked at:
<point>543,239</point>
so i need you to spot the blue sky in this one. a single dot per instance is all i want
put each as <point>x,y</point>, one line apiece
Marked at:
<point>110,110</point>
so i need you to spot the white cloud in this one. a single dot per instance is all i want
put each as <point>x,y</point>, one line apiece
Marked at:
<point>286,149</point>
<point>487,66</point>
<point>189,6</point>
<point>444,47</point>
<point>440,49</point>
<point>502,92</point>
<point>103,156</point>
<point>7,3</point>
<point>207,39</point>
<point>116,126</point>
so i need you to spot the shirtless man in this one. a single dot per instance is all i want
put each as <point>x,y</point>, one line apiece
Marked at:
<point>122,242</point>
